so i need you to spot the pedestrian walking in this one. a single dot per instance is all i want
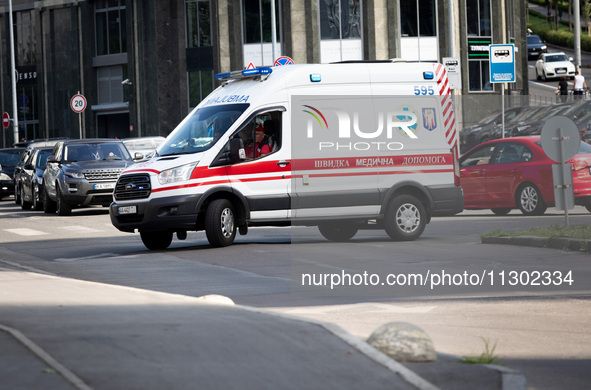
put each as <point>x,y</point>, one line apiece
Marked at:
<point>562,90</point>
<point>579,86</point>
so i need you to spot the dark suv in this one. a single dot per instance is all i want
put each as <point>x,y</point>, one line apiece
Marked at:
<point>82,173</point>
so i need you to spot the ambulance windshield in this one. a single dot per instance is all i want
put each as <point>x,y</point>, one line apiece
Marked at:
<point>202,129</point>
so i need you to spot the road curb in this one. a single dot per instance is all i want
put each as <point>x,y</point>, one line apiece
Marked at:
<point>564,244</point>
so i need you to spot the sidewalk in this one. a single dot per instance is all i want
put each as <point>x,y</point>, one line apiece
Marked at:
<point>58,333</point>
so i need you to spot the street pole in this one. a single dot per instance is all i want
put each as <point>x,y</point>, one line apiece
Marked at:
<point>577,11</point>
<point>273,31</point>
<point>13,73</point>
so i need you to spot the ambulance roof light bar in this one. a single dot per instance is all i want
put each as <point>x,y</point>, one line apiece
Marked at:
<point>244,74</point>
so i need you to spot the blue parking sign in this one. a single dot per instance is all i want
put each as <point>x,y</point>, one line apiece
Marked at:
<point>502,63</point>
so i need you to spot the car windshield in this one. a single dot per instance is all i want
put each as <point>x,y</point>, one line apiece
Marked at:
<point>528,113</point>
<point>9,158</point>
<point>556,58</point>
<point>96,151</point>
<point>533,39</point>
<point>201,129</point>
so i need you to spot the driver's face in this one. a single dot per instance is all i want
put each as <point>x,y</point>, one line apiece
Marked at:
<point>260,135</point>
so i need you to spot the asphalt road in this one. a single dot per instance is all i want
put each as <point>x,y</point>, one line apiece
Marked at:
<point>540,330</point>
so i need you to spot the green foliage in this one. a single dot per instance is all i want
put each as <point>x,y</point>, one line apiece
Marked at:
<point>562,37</point>
<point>486,357</point>
<point>578,232</point>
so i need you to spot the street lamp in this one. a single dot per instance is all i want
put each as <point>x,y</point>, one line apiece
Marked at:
<point>13,73</point>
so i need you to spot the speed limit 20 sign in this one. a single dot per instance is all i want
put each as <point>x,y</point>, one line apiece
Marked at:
<point>78,103</point>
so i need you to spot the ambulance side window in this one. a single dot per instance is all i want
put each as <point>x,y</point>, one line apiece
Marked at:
<point>261,136</point>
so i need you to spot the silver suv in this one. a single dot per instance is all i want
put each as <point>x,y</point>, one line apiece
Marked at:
<point>82,173</point>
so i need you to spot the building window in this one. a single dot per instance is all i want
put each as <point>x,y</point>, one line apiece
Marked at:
<point>200,85</point>
<point>199,50</point>
<point>478,22</point>
<point>198,23</point>
<point>25,39</point>
<point>110,89</point>
<point>340,30</point>
<point>111,36</point>
<point>258,34</point>
<point>418,30</point>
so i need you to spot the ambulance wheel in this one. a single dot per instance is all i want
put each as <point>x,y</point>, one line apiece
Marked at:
<point>220,225</point>
<point>337,231</point>
<point>156,240</point>
<point>405,218</point>
<point>529,200</point>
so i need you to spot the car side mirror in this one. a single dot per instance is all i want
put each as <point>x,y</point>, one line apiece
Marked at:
<point>237,152</point>
<point>570,59</point>
<point>29,166</point>
<point>138,156</point>
<point>52,159</point>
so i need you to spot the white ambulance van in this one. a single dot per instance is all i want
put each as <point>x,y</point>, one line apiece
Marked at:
<point>344,146</point>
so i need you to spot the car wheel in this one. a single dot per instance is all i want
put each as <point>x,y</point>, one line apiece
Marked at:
<point>537,75</point>
<point>24,204</point>
<point>63,209</point>
<point>501,211</point>
<point>156,240</point>
<point>337,231</point>
<point>220,225</point>
<point>37,202</point>
<point>405,218</point>
<point>529,200</point>
<point>49,205</point>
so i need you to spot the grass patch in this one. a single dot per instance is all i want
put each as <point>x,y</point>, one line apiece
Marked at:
<point>579,232</point>
<point>486,357</point>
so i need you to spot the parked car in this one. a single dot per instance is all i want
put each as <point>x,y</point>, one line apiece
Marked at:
<point>535,47</point>
<point>143,147</point>
<point>510,173</point>
<point>487,128</point>
<point>30,146</point>
<point>8,160</point>
<point>82,173</point>
<point>532,124</point>
<point>554,65</point>
<point>30,182</point>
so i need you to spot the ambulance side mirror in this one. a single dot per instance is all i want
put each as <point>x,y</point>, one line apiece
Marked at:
<point>237,152</point>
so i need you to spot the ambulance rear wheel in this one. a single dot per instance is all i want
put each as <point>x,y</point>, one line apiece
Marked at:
<point>220,223</point>
<point>405,218</point>
<point>156,240</point>
<point>337,231</point>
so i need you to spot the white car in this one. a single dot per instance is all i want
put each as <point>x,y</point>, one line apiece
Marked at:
<point>554,65</point>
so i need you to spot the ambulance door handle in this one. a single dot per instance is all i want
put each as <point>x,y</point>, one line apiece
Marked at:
<point>283,163</point>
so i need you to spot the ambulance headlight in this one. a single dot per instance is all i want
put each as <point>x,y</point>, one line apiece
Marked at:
<point>174,175</point>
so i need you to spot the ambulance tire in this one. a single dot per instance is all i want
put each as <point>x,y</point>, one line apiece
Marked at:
<point>220,223</point>
<point>156,240</point>
<point>405,218</point>
<point>337,231</point>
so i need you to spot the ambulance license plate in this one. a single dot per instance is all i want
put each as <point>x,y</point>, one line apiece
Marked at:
<point>127,210</point>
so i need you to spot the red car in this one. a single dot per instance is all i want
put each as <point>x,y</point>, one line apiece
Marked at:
<point>509,173</point>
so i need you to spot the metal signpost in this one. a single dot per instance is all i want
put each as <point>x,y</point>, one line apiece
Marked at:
<point>561,140</point>
<point>78,104</point>
<point>454,71</point>
<point>502,70</point>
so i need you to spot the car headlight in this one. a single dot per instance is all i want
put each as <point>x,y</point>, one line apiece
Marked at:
<point>549,69</point>
<point>75,175</point>
<point>4,176</point>
<point>543,47</point>
<point>174,175</point>
<point>523,128</point>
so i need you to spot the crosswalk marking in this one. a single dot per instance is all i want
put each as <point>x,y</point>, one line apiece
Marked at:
<point>26,232</point>
<point>75,228</point>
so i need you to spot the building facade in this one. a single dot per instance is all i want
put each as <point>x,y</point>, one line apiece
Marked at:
<point>143,65</point>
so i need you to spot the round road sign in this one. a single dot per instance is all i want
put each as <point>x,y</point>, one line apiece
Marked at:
<point>5,120</point>
<point>283,61</point>
<point>78,103</point>
<point>560,132</point>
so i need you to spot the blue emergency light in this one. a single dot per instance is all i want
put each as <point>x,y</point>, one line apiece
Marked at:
<point>428,75</point>
<point>315,78</point>
<point>243,74</point>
